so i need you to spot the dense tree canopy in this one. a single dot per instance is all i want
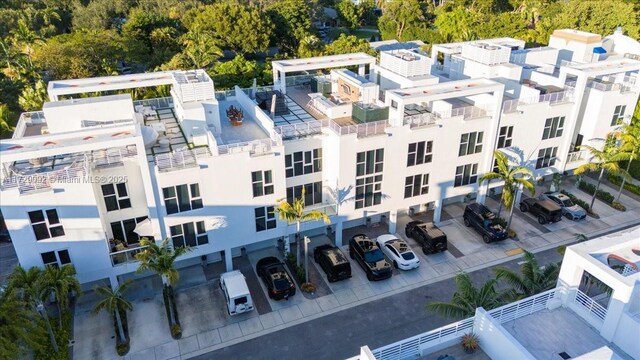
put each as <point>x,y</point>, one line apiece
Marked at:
<point>404,20</point>
<point>292,23</point>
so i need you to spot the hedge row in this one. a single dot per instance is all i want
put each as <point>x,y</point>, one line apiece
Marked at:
<point>602,195</point>
<point>617,180</point>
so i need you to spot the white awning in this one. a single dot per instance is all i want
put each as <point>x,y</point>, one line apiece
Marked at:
<point>144,228</point>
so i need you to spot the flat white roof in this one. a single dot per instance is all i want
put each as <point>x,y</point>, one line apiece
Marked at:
<point>323,62</point>
<point>451,89</point>
<point>107,83</point>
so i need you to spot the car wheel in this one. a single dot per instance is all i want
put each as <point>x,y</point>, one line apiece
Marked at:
<point>426,251</point>
<point>315,258</point>
<point>369,277</point>
<point>351,255</point>
<point>568,216</point>
<point>407,234</point>
<point>524,208</point>
<point>466,222</point>
<point>395,264</point>
<point>486,239</point>
<point>542,220</point>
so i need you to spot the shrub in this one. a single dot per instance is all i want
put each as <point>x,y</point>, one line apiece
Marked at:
<point>176,331</point>
<point>122,348</point>
<point>583,204</point>
<point>618,206</point>
<point>308,287</point>
<point>590,189</point>
<point>616,180</point>
<point>500,221</point>
<point>512,234</point>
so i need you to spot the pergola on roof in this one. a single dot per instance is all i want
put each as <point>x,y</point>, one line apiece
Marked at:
<point>323,62</point>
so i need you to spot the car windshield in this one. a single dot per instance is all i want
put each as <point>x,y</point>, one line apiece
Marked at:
<point>281,284</point>
<point>567,203</point>
<point>373,256</point>
<point>408,255</point>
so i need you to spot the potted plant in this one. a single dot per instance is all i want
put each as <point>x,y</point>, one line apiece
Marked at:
<point>470,343</point>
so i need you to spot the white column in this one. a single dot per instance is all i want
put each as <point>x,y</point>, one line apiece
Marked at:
<point>283,83</point>
<point>228,259</point>
<point>482,193</point>
<point>393,221</point>
<point>437,210</point>
<point>275,77</point>
<point>338,235</point>
<point>113,280</point>
<point>361,69</point>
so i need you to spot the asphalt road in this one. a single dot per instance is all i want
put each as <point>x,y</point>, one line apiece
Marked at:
<point>377,323</point>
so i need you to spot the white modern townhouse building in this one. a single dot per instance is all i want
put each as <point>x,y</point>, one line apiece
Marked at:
<point>85,178</point>
<point>592,314</point>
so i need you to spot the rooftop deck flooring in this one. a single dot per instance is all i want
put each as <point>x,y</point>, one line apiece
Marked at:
<point>249,130</point>
<point>298,100</point>
<point>173,133</point>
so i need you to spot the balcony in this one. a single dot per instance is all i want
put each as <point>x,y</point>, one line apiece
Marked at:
<point>27,180</point>
<point>254,148</point>
<point>420,120</point>
<point>297,131</point>
<point>126,255</point>
<point>361,130</point>
<point>181,159</point>
<point>576,156</point>
<point>554,98</point>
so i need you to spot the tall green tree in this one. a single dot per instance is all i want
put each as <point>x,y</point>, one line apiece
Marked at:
<point>235,26</point>
<point>62,281</point>
<point>160,259</point>
<point>347,44</point>
<point>532,278</point>
<point>20,331</point>
<point>349,13</point>
<point>295,213</point>
<point>606,159</point>
<point>241,72</point>
<point>310,46</point>
<point>153,37</point>
<point>292,23</point>
<point>512,176</point>
<point>600,17</point>
<point>404,20</point>
<point>100,14</point>
<point>629,136</point>
<point>467,298</point>
<point>32,98</point>
<point>6,121</point>
<point>200,48</point>
<point>113,301</point>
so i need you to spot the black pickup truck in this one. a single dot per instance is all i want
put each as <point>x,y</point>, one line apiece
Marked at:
<point>546,210</point>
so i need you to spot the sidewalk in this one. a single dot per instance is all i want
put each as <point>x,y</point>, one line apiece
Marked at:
<point>207,327</point>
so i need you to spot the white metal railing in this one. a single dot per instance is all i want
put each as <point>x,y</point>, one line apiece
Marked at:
<point>594,84</point>
<point>419,120</point>
<point>366,129</point>
<point>157,103</point>
<point>560,97</point>
<point>180,159</point>
<point>254,148</point>
<point>576,156</point>
<point>467,112</point>
<point>125,256</point>
<point>43,181</point>
<point>330,208</point>
<point>294,131</point>
<point>581,299</point>
<point>114,156</point>
<point>410,348</point>
<point>524,307</point>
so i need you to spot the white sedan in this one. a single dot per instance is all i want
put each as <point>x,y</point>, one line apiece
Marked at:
<point>398,251</point>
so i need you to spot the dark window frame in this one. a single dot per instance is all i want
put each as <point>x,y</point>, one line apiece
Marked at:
<point>265,218</point>
<point>191,234</point>
<point>471,143</point>
<point>505,137</point>
<point>416,185</point>
<point>553,127</point>
<point>45,224</point>
<point>547,157</point>
<point>369,170</point>
<point>419,153</point>
<point>466,175</point>
<point>262,183</point>
<point>116,196</point>
<point>303,162</point>
<point>182,198</point>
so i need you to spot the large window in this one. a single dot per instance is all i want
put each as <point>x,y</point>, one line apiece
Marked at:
<point>56,258</point>
<point>265,218</point>
<point>182,198</point>
<point>312,193</point>
<point>553,127</point>
<point>470,143</point>
<point>189,234</point>
<point>262,183</point>
<point>466,174</point>
<point>124,230</point>
<point>505,137</point>
<point>618,114</point>
<point>416,185</point>
<point>420,153</point>
<point>116,196</point>
<point>369,178</point>
<point>303,162</point>
<point>46,224</point>
<point>546,157</point>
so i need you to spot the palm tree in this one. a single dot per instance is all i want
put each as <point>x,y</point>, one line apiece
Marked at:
<point>62,281</point>
<point>603,160</point>
<point>33,290</point>
<point>467,298</point>
<point>532,278</point>
<point>630,137</point>
<point>160,259</point>
<point>294,213</point>
<point>20,330</point>
<point>114,302</point>
<point>513,177</point>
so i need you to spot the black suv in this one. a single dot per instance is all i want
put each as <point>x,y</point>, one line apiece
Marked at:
<point>546,210</point>
<point>333,262</point>
<point>428,236</point>
<point>370,257</point>
<point>482,220</point>
<point>276,278</point>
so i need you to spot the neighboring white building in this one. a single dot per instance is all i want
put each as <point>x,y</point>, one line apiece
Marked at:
<point>562,321</point>
<point>85,177</point>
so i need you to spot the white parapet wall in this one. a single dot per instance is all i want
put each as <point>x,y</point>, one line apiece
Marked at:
<point>495,341</point>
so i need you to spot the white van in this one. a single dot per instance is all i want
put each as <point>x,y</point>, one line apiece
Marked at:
<point>236,292</point>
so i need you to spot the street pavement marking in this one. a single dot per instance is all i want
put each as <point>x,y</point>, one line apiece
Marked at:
<point>513,252</point>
